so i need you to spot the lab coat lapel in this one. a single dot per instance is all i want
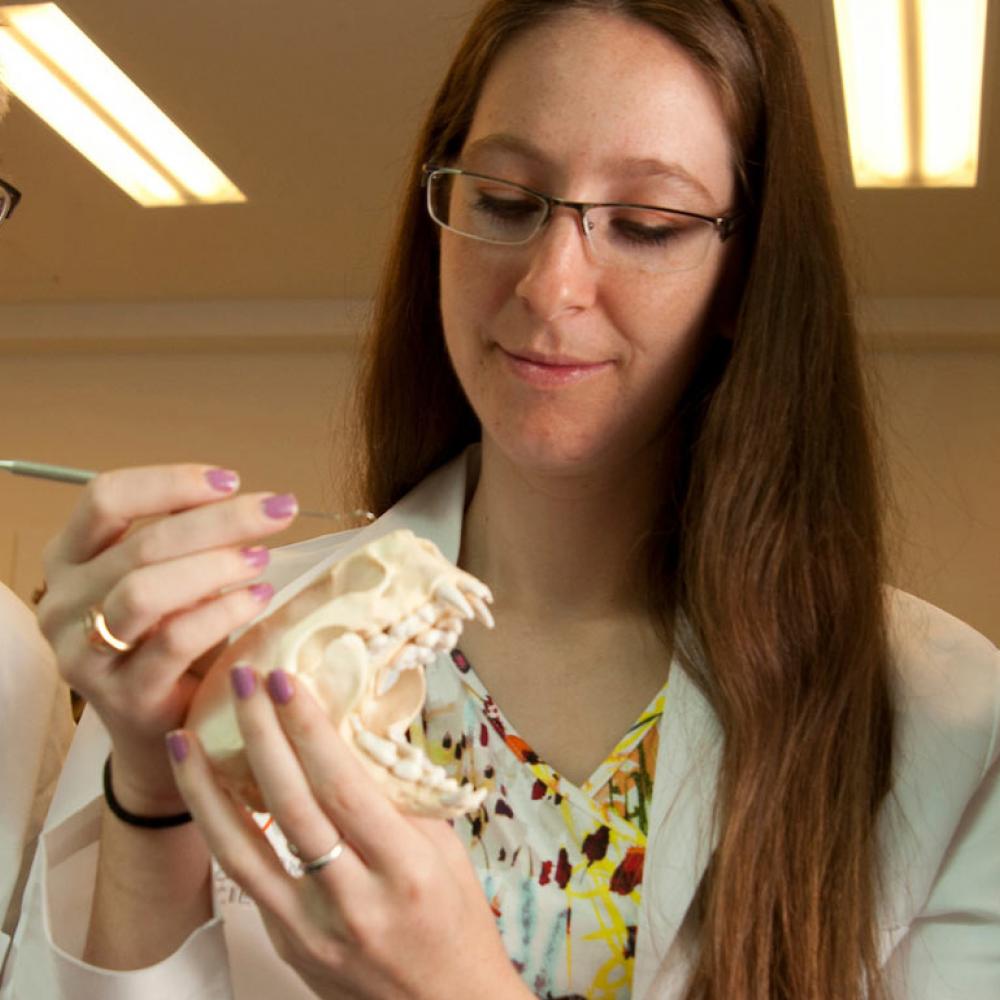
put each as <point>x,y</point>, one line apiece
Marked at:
<point>681,834</point>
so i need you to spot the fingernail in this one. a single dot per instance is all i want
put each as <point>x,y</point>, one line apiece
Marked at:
<point>262,592</point>
<point>223,480</point>
<point>256,556</point>
<point>177,744</point>
<point>281,505</point>
<point>279,687</point>
<point>244,681</point>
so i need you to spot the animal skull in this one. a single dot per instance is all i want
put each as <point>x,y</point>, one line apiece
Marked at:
<point>359,638</point>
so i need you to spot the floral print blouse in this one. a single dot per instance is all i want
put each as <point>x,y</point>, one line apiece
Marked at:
<point>560,863</point>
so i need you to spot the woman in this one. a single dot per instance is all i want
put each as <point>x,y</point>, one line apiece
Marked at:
<point>675,503</point>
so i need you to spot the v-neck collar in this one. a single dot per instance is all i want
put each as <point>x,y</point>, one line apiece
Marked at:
<point>583,794</point>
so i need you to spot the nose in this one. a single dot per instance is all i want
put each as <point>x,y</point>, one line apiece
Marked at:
<point>560,273</point>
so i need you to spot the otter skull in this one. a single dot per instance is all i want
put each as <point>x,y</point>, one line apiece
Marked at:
<point>359,637</point>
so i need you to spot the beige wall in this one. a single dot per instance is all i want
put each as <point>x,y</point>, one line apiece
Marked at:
<point>273,415</point>
<point>940,412</point>
<point>269,407</point>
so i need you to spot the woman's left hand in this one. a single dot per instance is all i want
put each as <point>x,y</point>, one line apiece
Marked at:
<point>398,913</point>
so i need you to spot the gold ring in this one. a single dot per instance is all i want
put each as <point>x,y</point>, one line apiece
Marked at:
<point>100,636</point>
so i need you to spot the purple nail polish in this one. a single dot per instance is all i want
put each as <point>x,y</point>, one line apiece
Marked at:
<point>223,480</point>
<point>244,681</point>
<point>177,744</point>
<point>279,687</point>
<point>281,505</point>
<point>262,592</point>
<point>257,556</point>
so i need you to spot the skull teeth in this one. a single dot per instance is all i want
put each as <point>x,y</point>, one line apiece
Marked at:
<point>380,750</point>
<point>428,613</point>
<point>453,597</point>
<point>408,770</point>
<point>407,628</point>
<point>477,588</point>
<point>410,763</point>
<point>482,612</point>
<point>378,643</point>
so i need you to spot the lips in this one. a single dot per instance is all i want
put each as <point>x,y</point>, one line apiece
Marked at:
<point>550,370</point>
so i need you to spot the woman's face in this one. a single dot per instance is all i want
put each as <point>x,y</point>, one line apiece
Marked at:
<point>571,366</point>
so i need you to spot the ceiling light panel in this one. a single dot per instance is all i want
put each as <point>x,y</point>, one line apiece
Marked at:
<point>57,71</point>
<point>912,72</point>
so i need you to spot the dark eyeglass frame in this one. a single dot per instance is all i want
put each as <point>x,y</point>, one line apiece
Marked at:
<point>724,225</point>
<point>9,203</point>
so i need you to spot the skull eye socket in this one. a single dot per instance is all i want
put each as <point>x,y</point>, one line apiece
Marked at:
<point>364,572</point>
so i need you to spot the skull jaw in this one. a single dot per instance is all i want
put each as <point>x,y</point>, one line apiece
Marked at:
<point>317,636</point>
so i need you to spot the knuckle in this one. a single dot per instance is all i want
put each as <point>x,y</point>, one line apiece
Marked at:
<point>148,546</point>
<point>344,799</point>
<point>176,642</point>
<point>364,927</point>
<point>133,596</point>
<point>415,887</point>
<point>48,619</point>
<point>101,496</point>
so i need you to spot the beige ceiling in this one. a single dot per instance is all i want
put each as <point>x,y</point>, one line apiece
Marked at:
<point>310,107</point>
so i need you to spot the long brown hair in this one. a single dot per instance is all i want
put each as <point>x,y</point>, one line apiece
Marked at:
<point>771,547</point>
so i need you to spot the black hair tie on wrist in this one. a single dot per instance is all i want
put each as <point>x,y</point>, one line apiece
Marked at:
<point>146,822</point>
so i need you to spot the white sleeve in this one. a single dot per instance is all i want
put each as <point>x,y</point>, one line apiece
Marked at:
<point>952,950</point>
<point>44,959</point>
<point>36,726</point>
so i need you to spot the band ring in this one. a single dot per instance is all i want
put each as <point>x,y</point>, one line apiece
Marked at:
<point>311,867</point>
<point>101,637</point>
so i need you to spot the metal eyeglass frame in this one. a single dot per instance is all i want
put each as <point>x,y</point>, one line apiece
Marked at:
<point>724,225</point>
<point>9,202</point>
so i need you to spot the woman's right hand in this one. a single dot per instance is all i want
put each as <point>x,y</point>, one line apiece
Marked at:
<point>175,587</point>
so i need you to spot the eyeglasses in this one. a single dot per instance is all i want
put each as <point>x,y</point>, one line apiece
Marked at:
<point>9,197</point>
<point>621,235</point>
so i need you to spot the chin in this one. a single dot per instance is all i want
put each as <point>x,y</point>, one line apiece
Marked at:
<point>559,451</point>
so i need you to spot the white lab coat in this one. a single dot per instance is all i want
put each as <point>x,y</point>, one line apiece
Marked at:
<point>939,918</point>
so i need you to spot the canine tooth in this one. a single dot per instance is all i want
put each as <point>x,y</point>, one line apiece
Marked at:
<point>473,586</point>
<point>408,770</point>
<point>482,612</point>
<point>450,593</point>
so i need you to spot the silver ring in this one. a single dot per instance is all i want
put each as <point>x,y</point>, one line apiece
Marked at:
<point>100,636</point>
<point>311,867</point>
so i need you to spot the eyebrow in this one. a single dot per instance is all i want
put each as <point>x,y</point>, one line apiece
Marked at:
<point>634,166</point>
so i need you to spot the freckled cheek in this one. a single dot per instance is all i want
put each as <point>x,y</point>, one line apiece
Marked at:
<point>474,288</point>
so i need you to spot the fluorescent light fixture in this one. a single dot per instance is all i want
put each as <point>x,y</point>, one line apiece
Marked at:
<point>58,72</point>
<point>913,86</point>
